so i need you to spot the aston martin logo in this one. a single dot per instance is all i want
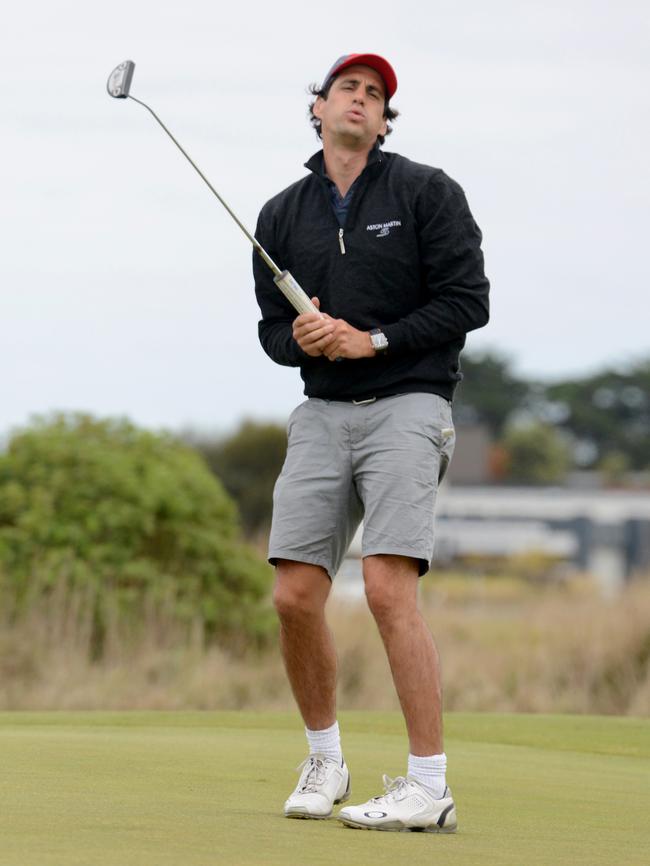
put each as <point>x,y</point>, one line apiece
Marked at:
<point>383,229</point>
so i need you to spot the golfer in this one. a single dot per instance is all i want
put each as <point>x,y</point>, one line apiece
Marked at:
<point>390,251</point>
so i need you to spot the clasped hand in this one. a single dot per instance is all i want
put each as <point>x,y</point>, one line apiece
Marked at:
<point>320,334</point>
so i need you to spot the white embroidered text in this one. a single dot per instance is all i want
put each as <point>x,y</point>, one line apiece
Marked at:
<point>383,229</point>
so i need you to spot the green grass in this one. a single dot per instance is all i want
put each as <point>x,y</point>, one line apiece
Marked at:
<point>196,789</point>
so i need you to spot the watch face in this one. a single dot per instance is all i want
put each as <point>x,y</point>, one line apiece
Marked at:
<point>379,341</point>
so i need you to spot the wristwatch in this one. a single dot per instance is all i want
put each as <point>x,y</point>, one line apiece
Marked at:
<point>378,340</point>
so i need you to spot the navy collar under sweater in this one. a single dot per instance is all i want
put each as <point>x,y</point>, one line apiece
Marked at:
<point>341,204</point>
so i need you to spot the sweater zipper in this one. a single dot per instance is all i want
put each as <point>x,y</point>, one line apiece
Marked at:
<point>341,244</point>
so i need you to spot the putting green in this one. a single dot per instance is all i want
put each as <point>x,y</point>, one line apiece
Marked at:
<point>192,789</point>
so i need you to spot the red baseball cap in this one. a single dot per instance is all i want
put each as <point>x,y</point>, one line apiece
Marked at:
<point>374,61</point>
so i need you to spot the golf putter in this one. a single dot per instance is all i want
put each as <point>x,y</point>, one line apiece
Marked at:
<point>118,86</point>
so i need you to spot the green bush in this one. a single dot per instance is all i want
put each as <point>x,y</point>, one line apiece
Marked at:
<point>134,517</point>
<point>248,463</point>
<point>536,455</point>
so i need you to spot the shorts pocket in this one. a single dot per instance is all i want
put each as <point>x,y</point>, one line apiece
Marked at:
<point>293,417</point>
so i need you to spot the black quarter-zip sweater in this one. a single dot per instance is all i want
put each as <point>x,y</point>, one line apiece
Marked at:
<point>408,261</point>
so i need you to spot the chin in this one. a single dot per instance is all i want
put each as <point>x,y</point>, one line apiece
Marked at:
<point>351,132</point>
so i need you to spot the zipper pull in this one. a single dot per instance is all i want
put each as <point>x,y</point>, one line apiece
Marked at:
<point>341,244</point>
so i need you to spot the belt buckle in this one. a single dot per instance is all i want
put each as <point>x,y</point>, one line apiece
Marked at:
<point>363,402</point>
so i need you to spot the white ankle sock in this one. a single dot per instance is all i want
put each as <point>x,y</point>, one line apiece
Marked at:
<point>327,742</point>
<point>429,771</point>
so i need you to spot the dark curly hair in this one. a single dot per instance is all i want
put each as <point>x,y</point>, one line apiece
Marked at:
<point>323,92</point>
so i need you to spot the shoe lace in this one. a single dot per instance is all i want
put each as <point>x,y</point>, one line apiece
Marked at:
<point>394,789</point>
<point>315,776</point>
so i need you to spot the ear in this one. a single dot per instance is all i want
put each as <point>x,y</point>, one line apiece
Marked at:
<point>318,107</point>
<point>384,127</point>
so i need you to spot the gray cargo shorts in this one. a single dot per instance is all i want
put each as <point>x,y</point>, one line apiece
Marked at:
<point>379,462</point>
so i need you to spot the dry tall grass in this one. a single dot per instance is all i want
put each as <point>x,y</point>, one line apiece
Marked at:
<point>505,645</point>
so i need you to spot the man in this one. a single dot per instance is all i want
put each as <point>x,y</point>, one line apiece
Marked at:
<point>392,253</point>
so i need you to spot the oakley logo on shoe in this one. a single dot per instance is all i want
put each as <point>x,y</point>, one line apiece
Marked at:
<point>383,229</point>
<point>375,814</point>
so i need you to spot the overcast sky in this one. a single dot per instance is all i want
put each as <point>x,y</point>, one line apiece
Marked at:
<point>127,290</point>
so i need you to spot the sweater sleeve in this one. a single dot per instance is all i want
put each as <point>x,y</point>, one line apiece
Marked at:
<point>453,280</point>
<point>275,326</point>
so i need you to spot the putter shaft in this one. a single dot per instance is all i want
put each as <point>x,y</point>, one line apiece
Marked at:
<point>260,249</point>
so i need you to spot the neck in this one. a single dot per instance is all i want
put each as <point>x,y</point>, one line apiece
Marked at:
<point>343,164</point>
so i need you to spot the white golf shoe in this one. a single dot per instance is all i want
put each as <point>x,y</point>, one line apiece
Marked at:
<point>406,805</point>
<point>323,782</point>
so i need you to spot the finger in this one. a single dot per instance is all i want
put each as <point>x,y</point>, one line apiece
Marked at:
<point>333,351</point>
<point>313,324</point>
<point>337,341</point>
<point>307,319</point>
<point>311,337</point>
<point>340,328</point>
<point>321,328</point>
<point>319,345</point>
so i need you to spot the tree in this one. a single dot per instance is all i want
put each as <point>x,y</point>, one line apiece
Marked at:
<point>536,455</point>
<point>610,410</point>
<point>607,413</point>
<point>248,463</point>
<point>130,514</point>
<point>490,391</point>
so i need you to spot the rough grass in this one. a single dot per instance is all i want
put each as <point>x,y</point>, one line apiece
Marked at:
<point>506,645</point>
<point>134,789</point>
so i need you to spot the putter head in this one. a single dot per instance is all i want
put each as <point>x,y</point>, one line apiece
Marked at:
<point>119,81</point>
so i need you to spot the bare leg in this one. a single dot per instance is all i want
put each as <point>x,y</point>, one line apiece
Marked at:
<point>391,590</point>
<point>299,596</point>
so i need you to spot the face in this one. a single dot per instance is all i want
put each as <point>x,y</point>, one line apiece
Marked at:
<point>353,112</point>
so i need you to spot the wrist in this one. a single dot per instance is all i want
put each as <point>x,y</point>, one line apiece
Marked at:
<point>378,341</point>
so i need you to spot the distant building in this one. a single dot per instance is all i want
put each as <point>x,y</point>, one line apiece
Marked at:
<point>471,463</point>
<point>604,532</point>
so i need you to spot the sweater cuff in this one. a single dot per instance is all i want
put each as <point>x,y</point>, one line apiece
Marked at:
<point>396,336</point>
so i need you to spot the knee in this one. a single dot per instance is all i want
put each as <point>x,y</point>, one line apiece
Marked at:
<point>391,587</point>
<point>379,600</point>
<point>290,602</point>
<point>300,591</point>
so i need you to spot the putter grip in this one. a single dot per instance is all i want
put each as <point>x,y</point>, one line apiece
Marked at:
<point>294,294</point>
